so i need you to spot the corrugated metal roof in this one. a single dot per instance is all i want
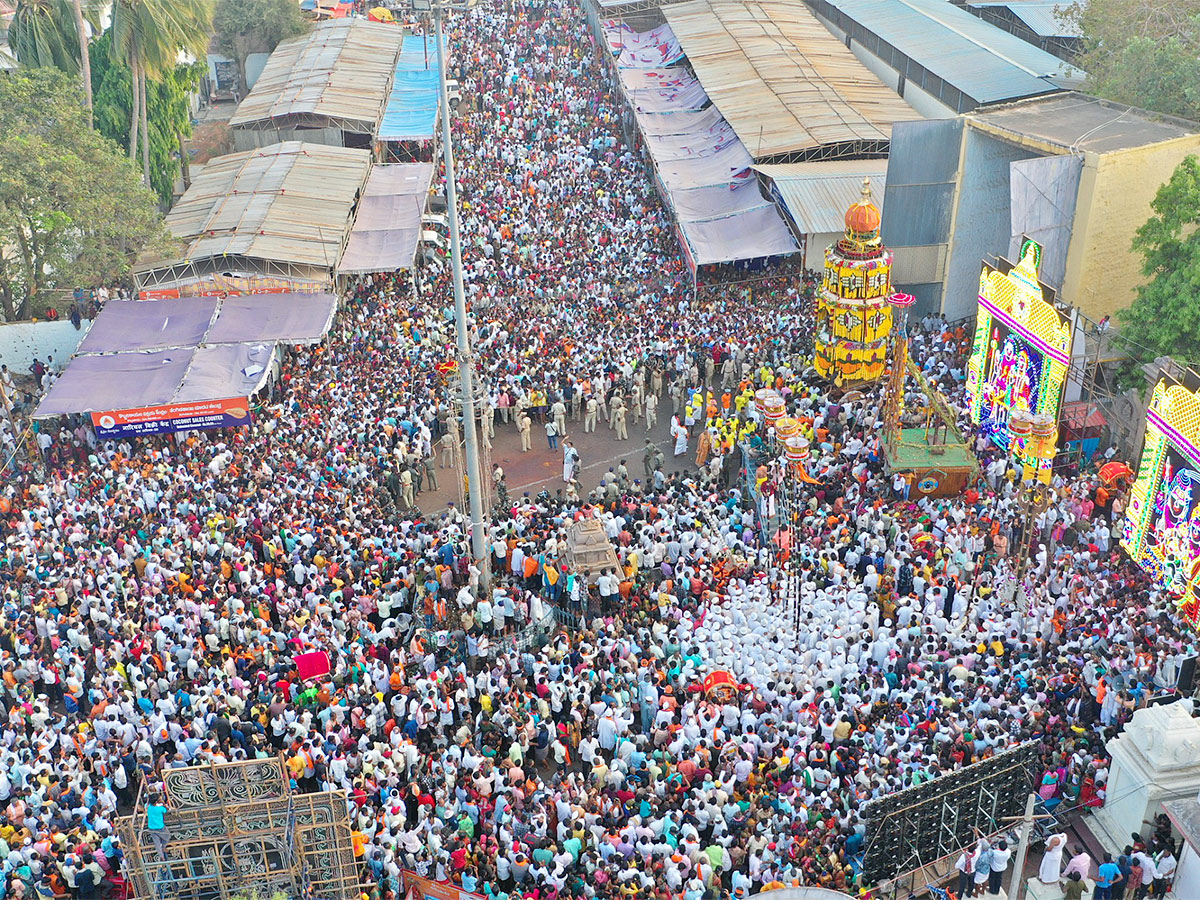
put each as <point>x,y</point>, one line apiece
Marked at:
<point>341,70</point>
<point>1040,16</point>
<point>985,63</point>
<point>780,78</point>
<point>288,202</point>
<point>817,194</point>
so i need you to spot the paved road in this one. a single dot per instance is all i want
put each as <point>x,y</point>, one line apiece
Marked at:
<point>541,467</point>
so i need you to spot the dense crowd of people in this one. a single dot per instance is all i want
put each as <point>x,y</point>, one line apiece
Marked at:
<point>156,591</point>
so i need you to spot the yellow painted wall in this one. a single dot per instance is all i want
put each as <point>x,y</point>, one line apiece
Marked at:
<point>1115,191</point>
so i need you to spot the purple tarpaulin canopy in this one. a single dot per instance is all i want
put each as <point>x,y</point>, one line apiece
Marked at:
<point>229,356</point>
<point>228,370</point>
<point>131,325</point>
<point>117,381</point>
<point>149,324</point>
<point>292,318</point>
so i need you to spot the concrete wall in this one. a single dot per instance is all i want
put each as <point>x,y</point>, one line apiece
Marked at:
<point>1115,191</point>
<point>918,206</point>
<point>20,342</point>
<point>982,218</point>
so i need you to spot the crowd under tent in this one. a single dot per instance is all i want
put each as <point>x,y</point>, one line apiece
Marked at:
<point>387,227</point>
<point>191,363</point>
<point>280,213</point>
<point>328,86</point>
<point>789,88</point>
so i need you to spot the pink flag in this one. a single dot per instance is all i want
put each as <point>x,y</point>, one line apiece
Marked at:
<point>312,665</point>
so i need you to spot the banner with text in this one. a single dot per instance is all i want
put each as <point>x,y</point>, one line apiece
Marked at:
<point>198,415</point>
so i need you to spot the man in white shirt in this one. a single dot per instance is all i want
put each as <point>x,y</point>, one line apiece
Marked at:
<point>999,863</point>
<point>1164,872</point>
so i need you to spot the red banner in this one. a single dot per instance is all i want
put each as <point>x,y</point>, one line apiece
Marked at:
<point>198,415</point>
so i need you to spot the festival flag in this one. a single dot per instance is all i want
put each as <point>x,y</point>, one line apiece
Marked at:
<point>312,665</point>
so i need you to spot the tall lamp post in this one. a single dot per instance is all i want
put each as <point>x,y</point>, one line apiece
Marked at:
<point>466,367</point>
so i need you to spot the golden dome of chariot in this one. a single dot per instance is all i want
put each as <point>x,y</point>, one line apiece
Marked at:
<point>863,217</point>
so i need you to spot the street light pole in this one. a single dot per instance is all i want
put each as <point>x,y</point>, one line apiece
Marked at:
<point>466,365</point>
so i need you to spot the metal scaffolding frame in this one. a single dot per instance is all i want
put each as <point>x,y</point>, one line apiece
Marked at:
<point>310,120</point>
<point>236,829</point>
<point>910,829</point>
<point>826,152</point>
<point>187,272</point>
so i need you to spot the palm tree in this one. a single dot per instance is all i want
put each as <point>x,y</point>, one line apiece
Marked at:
<point>54,33</point>
<point>148,36</point>
<point>85,61</point>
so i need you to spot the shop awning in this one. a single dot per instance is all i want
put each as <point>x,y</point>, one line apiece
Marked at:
<point>387,228</point>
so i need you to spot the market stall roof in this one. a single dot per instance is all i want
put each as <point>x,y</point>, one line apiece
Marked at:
<point>728,165</point>
<point>125,326</point>
<point>286,203</point>
<point>338,72</point>
<point>149,325</point>
<point>715,201</point>
<point>412,107</point>
<point>388,225</point>
<point>817,194</point>
<point>662,90</point>
<point>151,352</point>
<point>784,82</point>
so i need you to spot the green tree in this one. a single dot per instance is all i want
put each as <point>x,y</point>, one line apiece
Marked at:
<point>148,36</point>
<point>168,111</point>
<point>1142,52</point>
<point>1164,319</point>
<point>72,209</point>
<point>54,33</point>
<point>254,26</point>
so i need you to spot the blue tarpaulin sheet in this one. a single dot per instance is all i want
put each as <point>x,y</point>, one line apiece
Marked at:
<point>412,108</point>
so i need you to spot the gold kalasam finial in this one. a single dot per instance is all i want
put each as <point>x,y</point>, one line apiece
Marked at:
<point>866,189</point>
